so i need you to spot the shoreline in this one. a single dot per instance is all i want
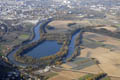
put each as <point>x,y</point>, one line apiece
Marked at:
<point>18,47</point>
<point>24,42</point>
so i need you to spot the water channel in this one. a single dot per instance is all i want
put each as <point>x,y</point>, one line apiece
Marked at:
<point>46,48</point>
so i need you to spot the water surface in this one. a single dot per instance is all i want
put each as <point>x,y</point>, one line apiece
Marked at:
<point>46,48</point>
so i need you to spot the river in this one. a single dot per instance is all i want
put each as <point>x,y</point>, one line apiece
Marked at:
<point>72,44</point>
<point>46,48</point>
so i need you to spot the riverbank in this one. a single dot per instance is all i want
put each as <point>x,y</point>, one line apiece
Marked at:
<point>44,61</point>
<point>26,48</point>
<point>10,54</point>
<point>59,55</point>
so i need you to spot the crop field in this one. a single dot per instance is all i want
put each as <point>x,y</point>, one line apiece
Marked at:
<point>83,64</point>
<point>67,75</point>
<point>107,56</point>
<point>103,48</point>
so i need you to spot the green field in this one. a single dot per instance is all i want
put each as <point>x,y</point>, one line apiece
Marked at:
<point>1,54</point>
<point>86,77</point>
<point>118,25</point>
<point>24,36</point>
<point>89,76</point>
<point>52,75</point>
<point>106,78</point>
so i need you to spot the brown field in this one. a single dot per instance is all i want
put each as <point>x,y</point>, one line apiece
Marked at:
<point>109,60</point>
<point>86,22</point>
<point>94,69</point>
<point>63,23</point>
<point>106,58</point>
<point>113,78</point>
<point>67,75</point>
<point>66,66</point>
<point>60,24</point>
<point>105,39</point>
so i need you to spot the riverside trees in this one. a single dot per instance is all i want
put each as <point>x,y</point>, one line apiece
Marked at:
<point>48,60</point>
<point>78,41</point>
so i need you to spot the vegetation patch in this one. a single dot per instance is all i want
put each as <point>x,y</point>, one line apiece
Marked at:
<point>118,25</point>
<point>86,77</point>
<point>100,76</point>
<point>50,75</point>
<point>29,25</point>
<point>24,36</point>
<point>1,50</point>
<point>106,78</point>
